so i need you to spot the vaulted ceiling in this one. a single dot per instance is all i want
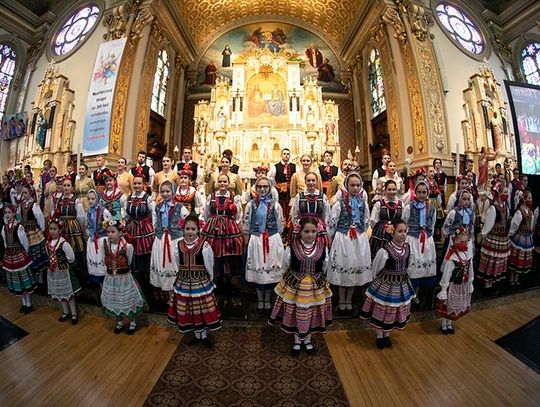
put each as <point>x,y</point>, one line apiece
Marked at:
<point>205,18</point>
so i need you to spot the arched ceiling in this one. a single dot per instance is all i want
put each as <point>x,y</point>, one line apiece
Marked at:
<point>204,18</point>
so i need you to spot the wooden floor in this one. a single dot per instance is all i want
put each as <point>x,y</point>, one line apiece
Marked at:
<point>87,365</point>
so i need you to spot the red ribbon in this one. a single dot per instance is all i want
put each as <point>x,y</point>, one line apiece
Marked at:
<point>266,245</point>
<point>423,236</point>
<point>353,234</point>
<point>166,248</point>
<point>96,246</point>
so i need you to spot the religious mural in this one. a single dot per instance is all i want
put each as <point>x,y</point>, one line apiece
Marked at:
<point>317,60</point>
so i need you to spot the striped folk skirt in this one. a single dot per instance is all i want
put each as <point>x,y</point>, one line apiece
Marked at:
<point>122,297</point>
<point>304,309</point>
<point>521,253</point>
<point>36,247</point>
<point>195,303</point>
<point>140,233</point>
<point>62,284</point>
<point>73,233</point>
<point>388,301</point>
<point>20,279</point>
<point>224,236</point>
<point>458,301</point>
<point>494,257</point>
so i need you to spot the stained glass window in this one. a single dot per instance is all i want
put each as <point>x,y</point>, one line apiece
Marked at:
<point>75,29</point>
<point>159,93</point>
<point>461,28</point>
<point>530,63</point>
<point>7,70</point>
<point>376,84</point>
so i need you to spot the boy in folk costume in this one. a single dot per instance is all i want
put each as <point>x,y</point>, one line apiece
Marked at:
<point>195,304</point>
<point>388,297</point>
<point>495,242</point>
<point>521,238</point>
<point>121,295</point>
<point>350,255</point>
<point>454,299</point>
<point>16,262</point>
<point>262,225</point>
<point>62,283</point>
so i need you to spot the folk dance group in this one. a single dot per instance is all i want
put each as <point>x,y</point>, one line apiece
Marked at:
<point>179,240</point>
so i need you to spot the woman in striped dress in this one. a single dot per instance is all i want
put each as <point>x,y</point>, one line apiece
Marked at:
<point>139,230</point>
<point>384,210</point>
<point>495,244</point>
<point>304,300</point>
<point>388,297</point>
<point>521,238</point>
<point>16,262</point>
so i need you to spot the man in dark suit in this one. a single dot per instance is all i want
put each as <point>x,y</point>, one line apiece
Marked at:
<point>143,170</point>
<point>328,171</point>
<point>101,173</point>
<point>281,173</point>
<point>196,174</point>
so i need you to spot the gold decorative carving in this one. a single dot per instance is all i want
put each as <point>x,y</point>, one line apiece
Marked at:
<point>117,22</point>
<point>157,32</point>
<point>206,17</point>
<point>178,62</point>
<point>377,31</point>
<point>503,48</point>
<point>145,96</point>
<point>391,17</point>
<point>416,102</point>
<point>143,18</point>
<point>418,21</point>
<point>391,101</point>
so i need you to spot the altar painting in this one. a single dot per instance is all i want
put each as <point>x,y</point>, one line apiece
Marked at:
<point>266,101</point>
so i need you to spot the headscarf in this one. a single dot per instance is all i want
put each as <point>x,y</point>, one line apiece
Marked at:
<point>262,208</point>
<point>466,213</point>
<point>421,206</point>
<point>92,213</point>
<point>355,201</point>
<point>166,205</point>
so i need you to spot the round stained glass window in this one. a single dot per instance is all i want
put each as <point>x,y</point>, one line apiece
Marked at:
<point>461,28</point>
<point>75,29</point>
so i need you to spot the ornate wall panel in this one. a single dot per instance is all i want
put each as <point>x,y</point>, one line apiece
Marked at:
<point>391,102</point>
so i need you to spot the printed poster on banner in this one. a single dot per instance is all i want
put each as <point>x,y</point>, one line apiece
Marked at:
<point>97,121</point>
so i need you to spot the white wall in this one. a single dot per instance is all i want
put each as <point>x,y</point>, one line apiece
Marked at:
<point>458,67</point>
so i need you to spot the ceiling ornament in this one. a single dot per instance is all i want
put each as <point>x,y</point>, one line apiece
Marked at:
<point>204,18</point>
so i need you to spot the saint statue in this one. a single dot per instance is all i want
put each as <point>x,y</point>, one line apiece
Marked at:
<point>310,118</point>
<point>330,128</point>
<point>227,52</point>
<point>221,118</point>
<point>496,132</point>
<point>42,131</point>
<point>201,129</point>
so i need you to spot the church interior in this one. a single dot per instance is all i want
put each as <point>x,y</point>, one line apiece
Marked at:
<point>415,80</point>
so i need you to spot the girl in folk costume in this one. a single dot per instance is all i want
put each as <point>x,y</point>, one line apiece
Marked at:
<point>223,214</point>
<point>235,183</point>
<point>311,201</point>
<point>70,212</point>
<point>252,193</point>
<point>461,216</point>
<point>262,225</point>
<point>521,238</point>
<point>167,174</point>
<point>388,297</point>
<point>166,219</point>
<point>435,199</point>
<point>391,175</point>
<point>113,199</point>
<point>96,231</point>
<point>61,281</point>
<point>298,180</point>
<point>350,258</point>
<point>420,216</point>
<point>17,261</point>
<point>121,295</point>
<point>83,184</point>
<point>34,226</point>
<point>495,244</point>
<point>454,299</point>
<point>304,299</point>
<point>124,178</point>
<point>385,210</point>
<point>48,192</point>
<point>463,183</point>
<point>51,205</point>
<point>195,303</point>
<point>188,195</point>
<point>139,230</point>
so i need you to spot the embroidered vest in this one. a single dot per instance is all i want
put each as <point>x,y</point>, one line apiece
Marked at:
<point>414,221</point>
<point>345,218</point>
<point>175,215</point>
<point>116,263</point>
<point>271,221</point>
<point>137,207</point>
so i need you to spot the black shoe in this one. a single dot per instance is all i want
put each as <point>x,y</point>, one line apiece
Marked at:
<point>22,309</point>
<point>28,310</point>
<point>207,342</point>
<point>310,349</point>
<point>192,341</point>
<point>349,312</point>
<point>450,330</point>
<point>444,330</point>
<point>131,330</point>
<point>295,351</point>
<point>387,342</point>
<point>171,320</point>
<point>118,329</point>
<point>74,320</point>
<point>380,343</point>
<point>341,312</point>
<point>63,318</point>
